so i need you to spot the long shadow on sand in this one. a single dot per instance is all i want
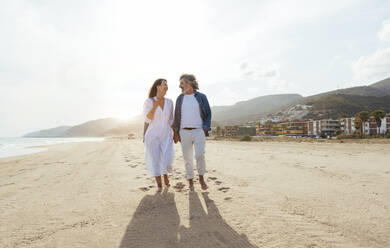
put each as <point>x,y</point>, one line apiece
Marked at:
<point>156,223</point>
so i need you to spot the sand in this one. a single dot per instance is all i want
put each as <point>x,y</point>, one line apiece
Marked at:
<point>261,194</point>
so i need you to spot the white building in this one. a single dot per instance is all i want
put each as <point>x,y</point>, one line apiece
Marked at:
<point>385,126</point>
<point>370,126</point>
<point>348,125</point>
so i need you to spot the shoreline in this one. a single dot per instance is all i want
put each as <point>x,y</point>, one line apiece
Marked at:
<point>20,148</point>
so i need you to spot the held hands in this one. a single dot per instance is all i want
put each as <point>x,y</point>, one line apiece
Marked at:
<point>176,137</point>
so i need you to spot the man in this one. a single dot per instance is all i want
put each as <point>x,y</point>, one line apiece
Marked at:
<point>191,125</point>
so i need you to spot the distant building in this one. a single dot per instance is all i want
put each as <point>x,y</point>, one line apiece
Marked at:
<point>232,130</point>
<point>269,129</point>
<point>295,128</point>
<point>330,127</point>
<point>314,128</point>
<point>371,127</point>
<point>327,127</point>
<point>247,130</point>
<point>347,125</point>
<point>385,125</point>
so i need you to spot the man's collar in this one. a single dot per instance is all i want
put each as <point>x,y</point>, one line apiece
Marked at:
<point>195,93</point>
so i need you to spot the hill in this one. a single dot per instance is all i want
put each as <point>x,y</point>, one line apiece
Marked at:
<point>52,132</point>
<point>383,85</point>
<point>331,106</point>
<point>325,105</point>
<point>252,108</point>
<point>95,128</point>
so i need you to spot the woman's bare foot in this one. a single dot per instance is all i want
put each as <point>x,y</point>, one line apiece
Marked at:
<point>166,180</point>
<point>159,184</point>
<point>191,186</point>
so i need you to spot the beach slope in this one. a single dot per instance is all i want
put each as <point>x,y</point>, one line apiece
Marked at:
<point>261,194</point>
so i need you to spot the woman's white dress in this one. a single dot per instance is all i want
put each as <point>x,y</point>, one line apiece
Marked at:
<point>158,139</point>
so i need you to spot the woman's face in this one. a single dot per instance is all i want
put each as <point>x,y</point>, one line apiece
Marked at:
<point>163,88</point>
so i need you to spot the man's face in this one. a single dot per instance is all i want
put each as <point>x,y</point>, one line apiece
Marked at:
<point>183,85</point>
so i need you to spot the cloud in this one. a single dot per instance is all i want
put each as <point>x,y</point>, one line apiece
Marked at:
<point>253,80</point>
<point>244,65</point>
<point>384,33</point>
<point>258,71</point>
<point>372,68</point>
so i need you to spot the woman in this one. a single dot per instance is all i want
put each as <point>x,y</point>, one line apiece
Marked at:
<point>158,138</point>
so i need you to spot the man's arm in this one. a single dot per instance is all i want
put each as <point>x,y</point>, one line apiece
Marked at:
<point>207,122</point>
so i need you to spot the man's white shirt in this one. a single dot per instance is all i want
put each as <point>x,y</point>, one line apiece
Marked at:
<point>190,113</point>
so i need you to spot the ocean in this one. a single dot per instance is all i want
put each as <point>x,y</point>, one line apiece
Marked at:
<point>19,146</point>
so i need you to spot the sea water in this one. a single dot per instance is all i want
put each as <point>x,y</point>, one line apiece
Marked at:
<point>19,145</point>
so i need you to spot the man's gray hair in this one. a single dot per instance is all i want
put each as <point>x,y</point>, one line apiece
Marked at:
<point>189,78</point>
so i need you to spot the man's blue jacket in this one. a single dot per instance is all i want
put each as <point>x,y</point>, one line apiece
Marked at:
<point>205,111</point>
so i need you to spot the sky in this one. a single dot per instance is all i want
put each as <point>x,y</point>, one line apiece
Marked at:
<point>67,62</point>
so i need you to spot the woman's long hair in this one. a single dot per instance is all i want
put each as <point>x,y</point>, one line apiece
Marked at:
<point>153,89</point>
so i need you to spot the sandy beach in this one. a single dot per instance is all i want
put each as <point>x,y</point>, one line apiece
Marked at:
<point>261,194</point>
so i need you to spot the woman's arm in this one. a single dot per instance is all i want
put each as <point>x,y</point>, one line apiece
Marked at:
<point>150,114</point>
<point>148,108</point>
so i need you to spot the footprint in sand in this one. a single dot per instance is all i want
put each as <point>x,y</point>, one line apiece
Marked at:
<point>218,182</point>
<point>224,189</point>
<point>133,165</point>
<point>227,198</point>
<point>144,189</point>
<point>138,177</point>
<point>212,178</point>
<point>179,186</point>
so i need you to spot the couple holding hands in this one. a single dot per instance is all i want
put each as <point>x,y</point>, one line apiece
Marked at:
<point>189,120</point>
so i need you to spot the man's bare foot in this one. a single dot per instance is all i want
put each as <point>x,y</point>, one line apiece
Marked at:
<point>191,188</point>
<point>204,186</point>
<point>159,189</point>
<point>202,183</point>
